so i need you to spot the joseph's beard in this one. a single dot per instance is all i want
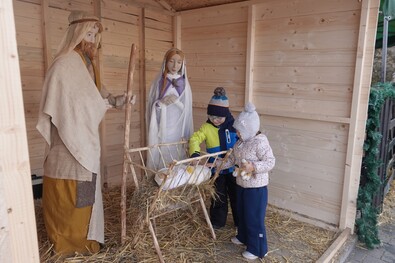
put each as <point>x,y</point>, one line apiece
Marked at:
<point>88,49</point>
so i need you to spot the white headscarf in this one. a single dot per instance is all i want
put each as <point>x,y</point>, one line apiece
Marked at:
<point>168,123</point>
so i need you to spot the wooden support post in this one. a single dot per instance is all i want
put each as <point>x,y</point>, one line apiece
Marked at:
<point>142,78</point>
<point>46,35</point>
<point>358,117</point>
<point>206,216</point>
<point>250,54</point>
<point>128,113</point>
<point>103,152</point>
<point>166,5</point>
<point>177,31</point>
<point>156,244</point>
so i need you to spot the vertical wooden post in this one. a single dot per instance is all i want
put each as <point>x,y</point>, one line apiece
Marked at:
<point>18,232</point>
<point>358,117</point>
<point>103,146</point>
<point>46,35</point>
<point>128,112</point>
<point>142,78</point>
<point>250,54</point>
<point>177,31</point>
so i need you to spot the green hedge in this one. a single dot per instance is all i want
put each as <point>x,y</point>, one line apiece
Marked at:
<point>367,222</point>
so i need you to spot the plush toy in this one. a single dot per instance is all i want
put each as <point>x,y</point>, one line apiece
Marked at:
<point>241,172</point>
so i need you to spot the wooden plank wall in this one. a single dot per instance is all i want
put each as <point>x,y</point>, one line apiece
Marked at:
<point>304,87</point>
<point>40,26</point>
<point>31,60</point>
<point>304,61</point>
<point>158,39</point>
<point>18,236</point>
<point>214,41</point>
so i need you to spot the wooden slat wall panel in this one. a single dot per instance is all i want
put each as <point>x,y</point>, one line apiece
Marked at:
<point>304,66</point>
<point>120,22</point>
<point>120,11</point>
<point>158,39</point>
<point>72,5</point>
<point>306,38</point>
<point>215,45</point>
<point>28,24</point>
<point>289,9</point>
<point>31,61</point>
<point>310,159</point>
<point>302,58</point>
<point>213,16</point>
<point>154,5</point>
<point>305,63</point>
<point>57,28</point>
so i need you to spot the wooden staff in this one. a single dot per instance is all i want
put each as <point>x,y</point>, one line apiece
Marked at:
<point>128,113</point>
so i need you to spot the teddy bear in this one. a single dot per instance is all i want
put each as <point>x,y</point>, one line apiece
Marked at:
<point>241,172</point>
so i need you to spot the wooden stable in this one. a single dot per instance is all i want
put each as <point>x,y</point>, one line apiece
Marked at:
<point>305,64</point>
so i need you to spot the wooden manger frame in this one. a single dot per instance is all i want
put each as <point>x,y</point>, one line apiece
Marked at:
<point>171,195</point>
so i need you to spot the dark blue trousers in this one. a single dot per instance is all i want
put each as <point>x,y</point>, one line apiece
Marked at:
<point>251,210</point>
<point>225,186</point>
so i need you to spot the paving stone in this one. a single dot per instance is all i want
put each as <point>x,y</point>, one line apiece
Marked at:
<point>377,252</point>
<point>388,257</point>
<point>390,247</point>
<point>357,255</point>
<point>371,259</point>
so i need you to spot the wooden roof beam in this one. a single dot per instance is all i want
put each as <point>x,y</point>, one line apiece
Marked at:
<point>166,5</point>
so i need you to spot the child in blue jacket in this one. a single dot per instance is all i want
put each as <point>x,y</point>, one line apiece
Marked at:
<point>219,135</point>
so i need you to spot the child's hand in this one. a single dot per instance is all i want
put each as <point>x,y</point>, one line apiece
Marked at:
<point>195,161</point>
<point>217,163</point>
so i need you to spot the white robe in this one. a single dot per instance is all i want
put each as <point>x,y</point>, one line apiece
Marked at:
<point>168,123</point>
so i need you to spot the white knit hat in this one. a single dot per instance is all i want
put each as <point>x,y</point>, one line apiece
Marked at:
<point>247,123</point>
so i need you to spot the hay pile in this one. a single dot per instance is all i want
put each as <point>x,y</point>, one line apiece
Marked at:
<point>184,237</point>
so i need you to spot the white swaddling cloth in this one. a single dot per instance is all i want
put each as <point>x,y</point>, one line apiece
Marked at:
<point>183,175</point>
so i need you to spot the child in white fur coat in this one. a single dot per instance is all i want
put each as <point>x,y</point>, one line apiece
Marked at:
<point>254,155</point>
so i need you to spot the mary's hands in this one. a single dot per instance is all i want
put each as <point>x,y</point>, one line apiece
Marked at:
<point>170,99</point>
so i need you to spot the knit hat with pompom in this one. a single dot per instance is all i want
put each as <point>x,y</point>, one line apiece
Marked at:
<point>219,103</point>
<point>247,123</point>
